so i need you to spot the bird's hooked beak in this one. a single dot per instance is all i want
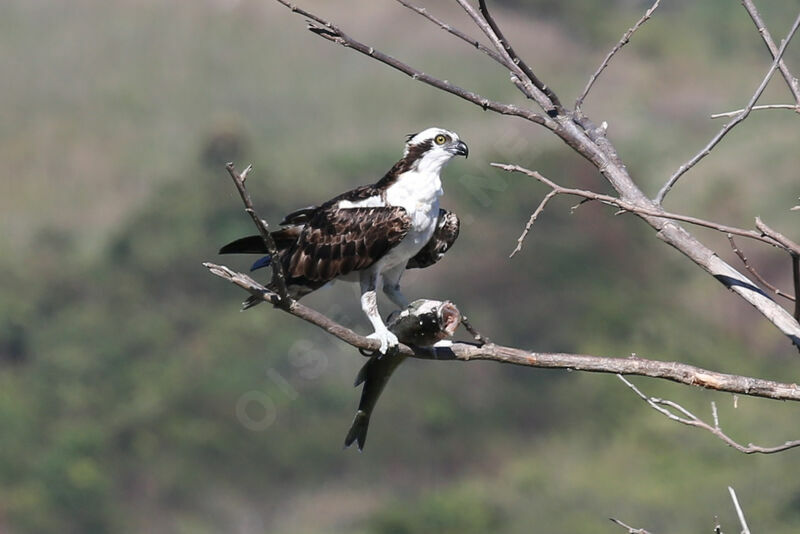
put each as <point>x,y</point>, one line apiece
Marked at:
<point>461,149</point>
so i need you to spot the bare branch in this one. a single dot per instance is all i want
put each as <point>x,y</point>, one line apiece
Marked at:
<point>631,207</point>
<point>477,336</point>
<point>450,29</point>
<point>755,273</point>
<point>664,407</point>
<point>728,127</point>
<point>791,81</point>
<point>787,243</point>
<point>739,512</point>
<point>532,220</point>
<point>278,276</point>
<point>631,530</point>
<point>796,279</point>
<point>793,107</point>
<point>672,371</point>
<point>622,42</point>
<point>518,60</point>
<point>332,33</point>
<point>531,87</point>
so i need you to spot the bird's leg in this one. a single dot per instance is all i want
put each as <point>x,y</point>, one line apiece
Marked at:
<point>369,304</point>
<point>391,286</point>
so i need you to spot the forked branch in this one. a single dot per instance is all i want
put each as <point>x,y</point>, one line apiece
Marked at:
<point>738,119</point>
<point>675,412</point>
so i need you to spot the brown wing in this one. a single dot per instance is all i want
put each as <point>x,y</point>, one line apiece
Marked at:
<point>446,233</point>
<point>336,241</point>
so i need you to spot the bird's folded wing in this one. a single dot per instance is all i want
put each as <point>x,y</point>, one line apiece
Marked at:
<point>336,241</point>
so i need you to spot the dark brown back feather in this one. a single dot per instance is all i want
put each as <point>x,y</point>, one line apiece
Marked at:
<point>335,242</point>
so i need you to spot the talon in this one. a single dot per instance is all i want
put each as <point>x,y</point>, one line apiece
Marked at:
<point>388,340</point>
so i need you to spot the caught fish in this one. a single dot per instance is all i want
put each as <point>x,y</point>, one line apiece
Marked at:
<point>423,323</point>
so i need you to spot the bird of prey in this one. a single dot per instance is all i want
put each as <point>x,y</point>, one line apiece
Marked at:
<point>370,234</point>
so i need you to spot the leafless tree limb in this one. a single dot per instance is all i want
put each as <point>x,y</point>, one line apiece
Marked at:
<point>787,243</point>
<point>278,276</point>
<point>327,30</point>
<point>796,279</point>
<point>793,107</point>
<point>532,220</point>
<point>631,207</point>
<point>523,78</point>
<point>630,529</point>
<point>791,81</point>
<point>622,42</point>
<point>685,417</point>
<point>450,29</point>
<point>548,92</point>
<point>479,338</point>
<point>755,273</point>
<point>672,371</point>
<point>739,512</point>
<point>728,127</point>
<point>590,141</point>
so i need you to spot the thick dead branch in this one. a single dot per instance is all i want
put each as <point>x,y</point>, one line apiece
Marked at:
<point>672,371</point>
<point>791,81</point>
<point>665,408</point>
<point>622,42</point>
<point>728,127</point>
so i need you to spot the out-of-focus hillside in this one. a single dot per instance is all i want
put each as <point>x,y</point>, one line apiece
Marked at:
<point>122,361</point>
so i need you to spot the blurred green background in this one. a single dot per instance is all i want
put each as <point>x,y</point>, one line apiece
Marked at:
<point>134,397</point>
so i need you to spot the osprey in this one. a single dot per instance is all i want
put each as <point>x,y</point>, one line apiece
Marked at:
<point>370,234</point>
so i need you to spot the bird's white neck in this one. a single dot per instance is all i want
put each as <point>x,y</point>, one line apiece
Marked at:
<point>416,191</point>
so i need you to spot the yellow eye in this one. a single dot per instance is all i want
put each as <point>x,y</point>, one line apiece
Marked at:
<point>440,139</point>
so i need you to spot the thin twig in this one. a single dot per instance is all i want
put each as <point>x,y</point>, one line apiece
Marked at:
<point>631,207</point>
<point>532,220</point>
<point>728,127</point>
<point>793,107</point>
<point>755,273</point>
<point>477,336</point>
<point>791,81</point>
<point>672,371</point>
<point>739,512</point>
<point>687,418</point>
<point>278,276</point>
<point>332,33</point>
<point>631,530</point>
<point>450,29</point>
<point>622,42</point>
<point>796,279</point>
